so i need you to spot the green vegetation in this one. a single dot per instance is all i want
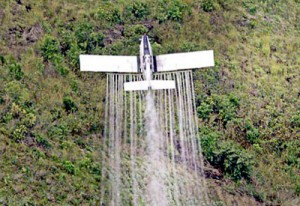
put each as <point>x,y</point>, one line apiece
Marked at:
<point>208,5</point>
<point>138,10</point>
<point>248,104</point>
<point>228,156</point>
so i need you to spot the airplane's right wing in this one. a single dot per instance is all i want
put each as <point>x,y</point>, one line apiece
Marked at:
<point>181,61</point>
<point>102,63</point>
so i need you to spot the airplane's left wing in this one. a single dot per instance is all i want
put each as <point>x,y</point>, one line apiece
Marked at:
<point>182,61</point>
<point>102,63</point>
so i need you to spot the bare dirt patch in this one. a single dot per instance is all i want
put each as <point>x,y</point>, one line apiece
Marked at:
<point>32,34</point>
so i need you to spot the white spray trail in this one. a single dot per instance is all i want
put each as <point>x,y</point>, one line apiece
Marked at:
<point>156,191</point>
<point>151,149</point>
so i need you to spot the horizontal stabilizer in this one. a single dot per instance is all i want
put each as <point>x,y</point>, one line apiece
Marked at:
<point>103,63</point>
<point>136,86</point>
<point>145,85</point>
<point>181,61</point>
<point>162,84</point>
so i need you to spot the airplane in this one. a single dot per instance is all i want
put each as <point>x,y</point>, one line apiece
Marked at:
<point>147,64</point>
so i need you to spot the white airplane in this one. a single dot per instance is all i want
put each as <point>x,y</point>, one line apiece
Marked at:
<point>147,64</point>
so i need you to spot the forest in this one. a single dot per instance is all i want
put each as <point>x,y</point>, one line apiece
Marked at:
<point>52,115</point>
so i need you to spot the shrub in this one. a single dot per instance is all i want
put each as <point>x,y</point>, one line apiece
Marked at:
<point>65,144</point>
<point>58,61</point>
<point>135,31</point>
<point>111,15</point>
<point>176,10</point>
<point>80,142</point>
<point>69,104</point>
<point>16,110</point>
<point>15,71</point>
<point>116,48</point>
<point>224,106</point>
<point>43,141</point>
<point>67,38</point>
<point>157,48</point>
<point>253,24</point>
<point>208,80</point>
<point>62,70</point>
<point>252,134</point>
<point>19,133</point>
<point>85,163</point>
<point>115,17</point>
<point>208,6</point>
<point>29,120</point>
<point>295,121</point>
<point>138,9</point>
<point>297,189</point>
<point>69,167</point>
<point>204,110</point>
<point>140,29</point>
<point>73,55</point>
<point>37,153</point>
<point>75,124</point>
<point>51,51</point>
<point>2,60</point>
<point>229,157</point>
<point>56,113</point>
<point>74,85</point>
<point>59,131</point>
<point>96,169</point>
<point>208,142</point>
<point>77,38</point>
<point>171,10</point>
<point>2,100</point>
<point>16,91</point>
<point>23,116</point>
<point>237,162</point>
<point>188,46</point>
<point>292,153</point>
<point>252,10</point>
<point>50,48</point>
<point>87,38</point>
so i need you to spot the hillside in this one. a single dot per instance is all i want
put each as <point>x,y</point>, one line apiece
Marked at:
<point>52,115</point>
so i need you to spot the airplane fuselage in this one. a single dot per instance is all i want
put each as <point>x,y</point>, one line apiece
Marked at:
<point>146,60</point>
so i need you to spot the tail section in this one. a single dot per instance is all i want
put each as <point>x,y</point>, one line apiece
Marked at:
<point>162,84</point>
<point>145,85</point>
<point>136,86</point>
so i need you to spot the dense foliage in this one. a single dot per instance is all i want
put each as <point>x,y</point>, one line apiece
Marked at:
<point>227,156</point>
<point>51,114</point>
